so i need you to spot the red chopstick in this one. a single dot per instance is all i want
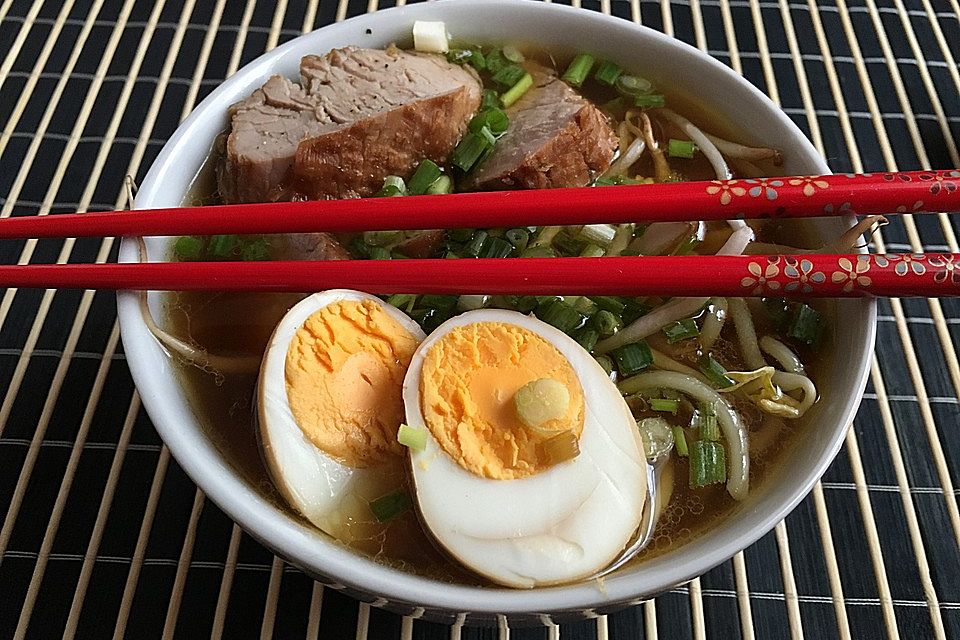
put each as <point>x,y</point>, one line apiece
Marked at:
<point>801,196</point>
<point>807,275</point>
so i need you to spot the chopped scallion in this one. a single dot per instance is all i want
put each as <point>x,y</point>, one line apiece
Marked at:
<point>665,405</point>
<point>379,253</point>
<point>255,250</point>
<point>490,100</point>
<point>426,174</point>
<point>633,358</point>
<point>714,372</point>
<point>649,101</point>
<point>708,464</point>
<point>779,311</point>
<point>592,251</point>
<point>412,438</point>
<point>477,60</point>
<point>606,322</point>
<point>392,186</point>
<point>460,235</point>
<point>607,73</point>
<point>388,507</point>
<point>223,246</point>
<point>559,314</point>
<point>493,118</point>
<point>587,338</point>
<point>473,248</point>
<point>681,330</point>
<point>508,75</point>
<point>403,301</point>
<point>601,234</point>
<point>517,90</point>
<point>519,238</point>
<point>583,304</point>
<point>629,85</point>
<point>441,303</point>
<point>606,363</point>
<point>539,252</point>
<point>188,247</point>
<point>495,248</point>
<point>657,437</point>
<point>806,326</point>
<point>381,238</point>
<point>512,53</point>
<point>496,61</point>
<point>442,185</point>
<point>472,302</point>
<point>611,304</point>
<point>469,150</point>
<point>680,441</point>
<point>680,148</point>
<point>578,70</point>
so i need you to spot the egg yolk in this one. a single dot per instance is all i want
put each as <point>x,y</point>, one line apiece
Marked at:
<point>467,386</point>
<point>344,376</point>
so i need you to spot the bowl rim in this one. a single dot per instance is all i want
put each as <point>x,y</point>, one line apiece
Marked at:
<point>198,457</point>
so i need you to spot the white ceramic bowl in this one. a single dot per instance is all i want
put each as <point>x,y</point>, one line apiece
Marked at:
<point>666,62</point>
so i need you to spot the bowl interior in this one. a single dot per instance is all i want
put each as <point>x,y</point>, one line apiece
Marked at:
<point>691,76</point>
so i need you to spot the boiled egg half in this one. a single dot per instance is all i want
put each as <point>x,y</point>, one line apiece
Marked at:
<point>329,404</point>
<point>533,471</point>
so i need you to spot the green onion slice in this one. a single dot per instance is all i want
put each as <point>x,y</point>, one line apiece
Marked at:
<point>681,330</point>
<point>607,73</point>
<point>508,75</point>
<point>561,315</point>
<point>630,85</point>
<point>633,358</point>
<point>495,248</point>
<point>578,70</point>
<point>392,186</point>
<point>493,118</point>
<point>516,91</point>
<point>388,507</point>
<point>680,441</point>
<point>426,174</point>
<point>412,438</point>
<point>708,464</point>
<point>806,326</point>
<point>714,372</point>
<point>442,185</point>
<point>469,150</point>
<point>188,247</point>
<point>665,405</point>
<point>680,148</point>
<point>650,101</point>
<point>587,338</point>
<point>512,53</point>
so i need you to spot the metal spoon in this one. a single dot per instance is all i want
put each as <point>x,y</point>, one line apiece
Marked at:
<point>648,520</point>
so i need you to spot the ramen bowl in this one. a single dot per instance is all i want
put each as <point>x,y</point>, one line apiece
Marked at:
<point>689,73</point>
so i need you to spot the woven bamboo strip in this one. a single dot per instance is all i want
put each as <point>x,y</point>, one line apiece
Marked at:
<point>66,483</point>
<point>103,512</point>
<point>273,596</point>
<point>27,92</point>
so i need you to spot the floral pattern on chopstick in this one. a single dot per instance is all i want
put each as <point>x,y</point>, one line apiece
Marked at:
<point>822,274</point>
<point>917,191</point>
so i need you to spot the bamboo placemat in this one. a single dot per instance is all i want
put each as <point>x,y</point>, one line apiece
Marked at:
<point>104,535</point>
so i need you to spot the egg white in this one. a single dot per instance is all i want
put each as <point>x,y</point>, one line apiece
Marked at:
<point>562,524</point>
<point>321,488</point>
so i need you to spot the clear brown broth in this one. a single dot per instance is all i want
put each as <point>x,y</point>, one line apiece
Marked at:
<point>241,323</point>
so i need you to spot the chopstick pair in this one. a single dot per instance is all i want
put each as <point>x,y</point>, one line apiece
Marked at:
<point>804,275</point>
